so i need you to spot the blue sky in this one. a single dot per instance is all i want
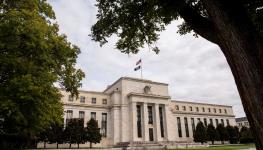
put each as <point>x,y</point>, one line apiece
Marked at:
<point>195,69</point>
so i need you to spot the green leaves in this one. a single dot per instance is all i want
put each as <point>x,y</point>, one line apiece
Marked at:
<point>33,56</point>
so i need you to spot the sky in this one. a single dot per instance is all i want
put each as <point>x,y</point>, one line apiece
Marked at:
<point>195,69</point>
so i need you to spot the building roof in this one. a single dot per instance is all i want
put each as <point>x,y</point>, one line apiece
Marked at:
<point>187,102</point>
<point>241,119</point>
<point>136,80</point>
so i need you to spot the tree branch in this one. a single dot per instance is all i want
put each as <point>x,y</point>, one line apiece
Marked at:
<point>198,23</point>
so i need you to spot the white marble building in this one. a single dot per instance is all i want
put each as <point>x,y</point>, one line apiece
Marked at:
<point>135,111</point>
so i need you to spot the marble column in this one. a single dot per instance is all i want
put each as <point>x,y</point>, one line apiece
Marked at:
<point>133,119</point>
<point>157,123</point>
<point>145,130</point>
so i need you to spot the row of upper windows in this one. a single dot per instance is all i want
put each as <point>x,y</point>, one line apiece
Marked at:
<point>82,99</point>
<point>197,109</point>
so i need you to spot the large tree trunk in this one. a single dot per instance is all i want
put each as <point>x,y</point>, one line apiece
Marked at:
<point>243,48</point>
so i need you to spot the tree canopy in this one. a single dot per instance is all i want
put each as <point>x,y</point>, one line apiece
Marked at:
<point>93,132</point>
<point>33,57</point>
<point>200,133</point>
<point>138,23</point>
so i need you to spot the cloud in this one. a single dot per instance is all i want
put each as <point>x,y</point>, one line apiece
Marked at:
<point>195,69</point>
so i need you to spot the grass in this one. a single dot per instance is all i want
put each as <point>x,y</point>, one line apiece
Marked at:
<point>225,147</point>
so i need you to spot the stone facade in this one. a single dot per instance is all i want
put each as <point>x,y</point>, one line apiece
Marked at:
<point>242,122</point>
<point>141,112</point>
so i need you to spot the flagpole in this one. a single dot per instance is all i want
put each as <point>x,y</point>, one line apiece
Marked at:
<point>141,68</point>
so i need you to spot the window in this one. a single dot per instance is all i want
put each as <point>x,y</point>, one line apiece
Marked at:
<point>186,127</point>
<point>70,98</point>
<point>176,107</point>
<point>93,100</point>
<point>214,110</point>
<point>225,111</point>
<point>184,108</point>
<point>139,124</point>
<point>150,115</point>
<point>203,109</point>
<point>93,115</point>
<point>191,108</point>
<point>222,121</point>
<point>193,124</point>
<point>179,127</point>
<point>104,125</point>
<point>161,121</point>
<point>69,114</point>
<point>220,111</point>
<point>211,121</point>
<point>197,109</point>
<point>104,101</point>
<point>82,99</point>
<point>227,122</point>
<point>216,122</point>
<point>209,109</point>
<point>205,122</point>
<point>81,114</point>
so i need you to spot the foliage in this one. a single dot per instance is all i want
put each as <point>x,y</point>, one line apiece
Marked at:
<point>33,56</point>
<point>232,135</point>
<point>74,132</point>
<point>93,132</point>
<point>246,135</point>
<point>222,132</point>
<point>200,133</point>
<point>212,134</point>
<point>138,23</point>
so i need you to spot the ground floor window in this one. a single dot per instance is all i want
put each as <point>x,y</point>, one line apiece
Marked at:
<point>104,125</point>
<point>139,118</point>
<point>186,127</point>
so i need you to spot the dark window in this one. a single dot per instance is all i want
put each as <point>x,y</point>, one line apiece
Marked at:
<point>104,125</point>
<point>150,115</point>
<point>227,122</point>
<point>151,134</point>
<point>70,98</point>
<point>176,107</point>
<point>225,111</point>
<point>197,109</point>
<point>220,111</point>
<point>203,109</point>
<point>191,108</point>
<point>205,122</point>
<point>104,101</point>
<point>184,108</point>
<point>211,121</point>
<point>69,114</point>
<point>93,115</point>
<point>216,122</point>
<point>139,124</point>
<point>179,127</point>
<point>193,124</point>
<point>81,114</point>
<point>82,99</point>
<point>214,110</point>
<point>222,121</point>
<point>93,100</point>
<point>186,127</point>
<point>209,109</point>
<point>198,119</point>
<point>161,121</point>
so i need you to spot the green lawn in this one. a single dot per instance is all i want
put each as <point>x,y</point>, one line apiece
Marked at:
<point>227,147</point>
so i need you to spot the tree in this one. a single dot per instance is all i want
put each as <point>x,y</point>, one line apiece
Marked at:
<point>232,134</point>
<point>93,132</point>
<point>200,133</point>
<point>222,132</point>
<point>235,26</point>
<point>56,134</point>
<point>237,132</point>
<point>33,56</point>
<point>74,132</point>
<point>246,136</point>
<point>212,134</point>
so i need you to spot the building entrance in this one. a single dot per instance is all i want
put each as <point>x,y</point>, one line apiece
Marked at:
<point>151,134</point>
